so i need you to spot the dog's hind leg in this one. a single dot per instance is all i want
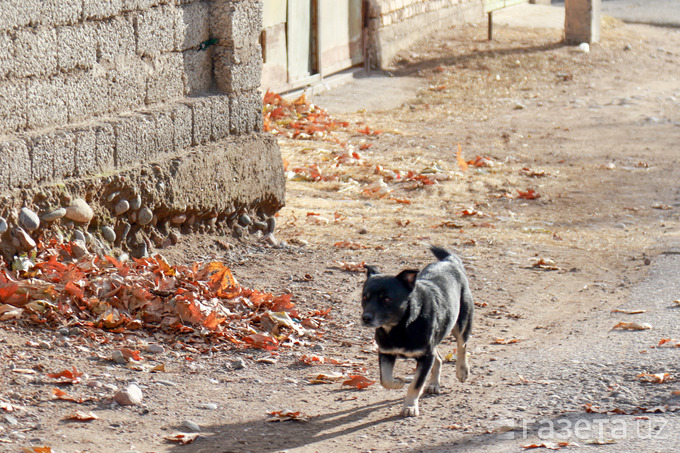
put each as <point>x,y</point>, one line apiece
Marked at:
<point>416,388</point>
<point>387,380</point>
<point>433,386</point>
<point>462,367</point>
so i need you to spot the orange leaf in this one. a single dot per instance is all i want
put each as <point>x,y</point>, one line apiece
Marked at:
<point>658,378</point>
<point>529,194</point>
<point>130,354</point>
<point>182,438</point>
<point>506,341</point>
<point>266,342</point>
<point>82,416</point>
<point>359,382</point>
<point>459,157</point>
<point>72,375</point>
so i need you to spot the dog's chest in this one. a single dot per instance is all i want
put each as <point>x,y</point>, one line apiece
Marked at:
<point>399,341</point>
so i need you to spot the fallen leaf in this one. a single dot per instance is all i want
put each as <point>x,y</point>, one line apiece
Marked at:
<point>628,312</point>
<point>506,341</point>
<point>326,378</point>
<point>37,449</point>
<point>359,382</point>
<point>82,416</point>
<point>550,445</point>
<point>287,415</point>
<point>658,378</point>
<point>350,245</point>
<point>669,343</point>
<point>182,438</point>
<point>67,376</point>
<point>462,164</point>
<point>529,194</point>
<point>632,326</point>
<point>351,266</point>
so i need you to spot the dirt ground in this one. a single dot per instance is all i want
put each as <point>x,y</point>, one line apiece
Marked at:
<point>573,201</point>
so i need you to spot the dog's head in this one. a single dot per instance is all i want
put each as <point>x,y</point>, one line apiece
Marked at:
<point>384,297</point>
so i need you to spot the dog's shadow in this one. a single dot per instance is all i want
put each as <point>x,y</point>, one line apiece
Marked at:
<point>263,436</point>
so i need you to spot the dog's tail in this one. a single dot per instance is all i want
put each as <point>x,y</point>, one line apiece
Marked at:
<point>440,253</point>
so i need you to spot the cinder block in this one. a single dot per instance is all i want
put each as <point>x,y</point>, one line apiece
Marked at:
<point>238,23</point>
<point>201,120</point>
<point>135,139</point>
<point>245,113</point>
<point>115,38</point>
<point>77,47</point>
<point>18,13</point>
<point>137,5</point>
<point>97,9</point>
<point>86,95</point>
<point>60,12</point>
<point>52,156</point>
<point>165,130</point>
<point>127,84</point>
<point>221,123</point>
<point>15,163</point>
<point>85,158</point>
<point>165,81</point>
<point>197,71</point>
<point>183,126</point>
<point>232,78</point>
<point>46,103</point>
<point>156,30</point>
<point>12,106</point>
<point>35,52</point>
<point>193,25</point>
<point>6,55</point>
<point>105,146</point>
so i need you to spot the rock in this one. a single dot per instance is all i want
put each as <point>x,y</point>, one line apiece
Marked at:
<point>129,396</point>
<point>23,240</point>
<point>79,211</point>
<point>155,349</point>
<point>54,215</point>
<point>584,47</point>
<point>271,240</point>
<point>3,225</point>
<point>145,216</point>
<point>208,406</point>
<point>260,225</point>
<point>118,357</point>
<point>178,219</point>
<point>136,202</point>
<point>244,220</point>
<point>112,196</point>
<point>79,236</point>
<point>28,219</point>
<point>64,331</point>
<point>238,364</point>
<point>191,426</point>
<point>79,249</point>
<point>174,237</point>
<point>121,207</point>
<point>42,344</point>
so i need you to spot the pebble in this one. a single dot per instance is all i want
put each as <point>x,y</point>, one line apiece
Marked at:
<point>136,202</point>
<point>174,237</point>
<point>271,224</point>
<point>11,420</point>
<point>179,218</point>
<point>44,344</point>
<point>317,347</point>
<point>26,241</point>
<point>108,233</point>
<point>79,211</point>
<point>54,215</point>
<point>129,396</point>
<point>28,219</point>
<point>260,225</point>
<point>244,220</point>
<point>271,240</point>
<point>166,383</point>
<point>78,248</point>
<point>155,349</point>
<point>79,236</point>
<point>118,357</point>
<point>145,216</point>
<point>238,364</point>
<point>112,196</point>
<point>208,406</point>
<point>64,331</point>
<point>121,207</point>
<point>191,426</point>
<point>3,225</point>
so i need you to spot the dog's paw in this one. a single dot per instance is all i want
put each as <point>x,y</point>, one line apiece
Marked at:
<point>393,384</point>
<point>462,372</point>
<point>433,389</point>
<point>410,411</point>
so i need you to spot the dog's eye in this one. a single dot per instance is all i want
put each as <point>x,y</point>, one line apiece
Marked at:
<point>387,300</point>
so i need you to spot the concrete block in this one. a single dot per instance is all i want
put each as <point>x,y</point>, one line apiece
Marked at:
<point>19,13</point>
<point>135,136</point>
<point>236,78</point>
<point>197,71</point>
<point>201,120</point>
<point>6,54</point>
<point>156,30</point>
<point>15,163</point>
<point>582,21</point>
<point>97,9</point>
<point>137,5</point>
<point>77,47</point>
<point>165,81</point>
<point>221,122</point>
<point>127,84</point>
<point>85,157</point>
<point>52,156</point>
<point>115,38</point>
<point>12,106</point>
<point>238,24</point>
<point>245,113</point>
<point>182,117</point>
<point>60,12</point>
<point>165,130</point>
<point>105,146</point>
<point>46,103</point>
<point>193,25</point>
<point>86,95</point>
<point>35,52</point>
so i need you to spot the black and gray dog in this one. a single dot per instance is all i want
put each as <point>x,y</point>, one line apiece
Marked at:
<point>412,313</point>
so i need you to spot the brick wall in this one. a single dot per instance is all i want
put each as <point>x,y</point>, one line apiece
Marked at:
<point>395,25</point>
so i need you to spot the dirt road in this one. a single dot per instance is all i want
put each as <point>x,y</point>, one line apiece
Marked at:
<point>567,211</point>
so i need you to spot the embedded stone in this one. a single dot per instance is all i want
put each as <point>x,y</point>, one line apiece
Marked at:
<point>108,233</point>
<point>28,219</point>
<point>129,396</point>
<point>244,220</point>
<point>136,202</point>
<point>180,218</point>
<point>271,224</point>
<point>145,216</point>
<point>79,211</point>
<point>3,225</point>
<point>121,207</point>
<point>54,215</point>
<point>25,241</point>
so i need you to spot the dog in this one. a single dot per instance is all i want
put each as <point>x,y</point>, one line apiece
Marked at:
<point>412,313</point>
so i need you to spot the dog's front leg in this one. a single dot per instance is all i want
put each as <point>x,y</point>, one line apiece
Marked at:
<point>386,369</point>
<point>416,388</point>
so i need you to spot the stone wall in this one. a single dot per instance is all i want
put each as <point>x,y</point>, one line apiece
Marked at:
<point>97,97</point>
<point>395,25</point>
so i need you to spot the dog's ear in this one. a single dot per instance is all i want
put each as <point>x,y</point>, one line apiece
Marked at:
<point>408,278</point>
<point>371,270</point>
